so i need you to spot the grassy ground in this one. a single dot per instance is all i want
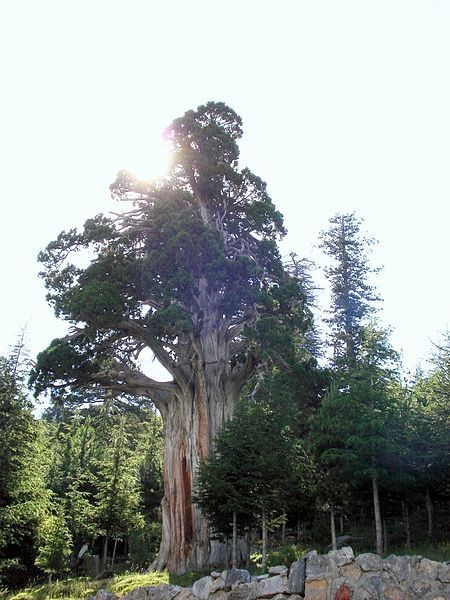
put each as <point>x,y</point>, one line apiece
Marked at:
<point>81,587</point>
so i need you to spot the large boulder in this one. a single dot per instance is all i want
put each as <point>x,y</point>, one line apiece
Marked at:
<point>203,587</point>
<point>272,586</point>
<point>342,557</point>
<point>297,576</point>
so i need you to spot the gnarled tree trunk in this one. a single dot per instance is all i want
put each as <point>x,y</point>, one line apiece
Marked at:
<point>190,424</point>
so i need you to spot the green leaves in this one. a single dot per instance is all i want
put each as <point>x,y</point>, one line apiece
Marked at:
<point>247,469</point>
<point>193,255</point>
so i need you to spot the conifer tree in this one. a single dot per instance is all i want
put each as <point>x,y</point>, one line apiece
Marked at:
<point>245,478</point>
<point>352,295</point>
<point>23,497</point>
<point>187,272</point>
<point>363,359</point>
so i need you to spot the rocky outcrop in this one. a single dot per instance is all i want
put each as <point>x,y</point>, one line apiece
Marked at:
<point>338,575</point>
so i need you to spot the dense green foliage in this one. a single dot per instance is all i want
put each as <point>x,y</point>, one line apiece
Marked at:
<point>326,435</point>
<point>196,256</point>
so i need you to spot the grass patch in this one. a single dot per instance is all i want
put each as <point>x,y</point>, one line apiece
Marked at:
<point>69,589</point>
<point>188,579</point>
<point>122,584</point>
<point>438,552</point>
<point>81,587</point>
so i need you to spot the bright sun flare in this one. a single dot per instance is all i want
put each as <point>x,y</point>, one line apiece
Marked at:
<point>150,160</point>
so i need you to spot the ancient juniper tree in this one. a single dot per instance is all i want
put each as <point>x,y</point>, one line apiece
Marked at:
<point>189,271</point>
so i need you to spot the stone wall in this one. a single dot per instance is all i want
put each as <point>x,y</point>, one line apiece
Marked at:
<point>335,576</point>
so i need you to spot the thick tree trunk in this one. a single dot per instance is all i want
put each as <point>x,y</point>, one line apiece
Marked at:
<point>377,513</point>
<point>190,424</point>
<point>333,528</point>
<point>429,505</point>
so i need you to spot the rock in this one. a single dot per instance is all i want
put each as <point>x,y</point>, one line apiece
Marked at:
<point>351,571</point>
<point>343,593</point>
<point>297,576</point>
<point>364,594</point>
<point>342,557</point>
<point>140,593</point>
<point>104,595</point>
<point>259,577</point>
<point>215,574</point>
<point>444,573</point>
<point>278,570</point>
<point>202,588</point>
<point>420,588</point>
<point>281,597</point>
<point>220,595</point>
<point>233,576</point>
<point>218,584</point>
<point>316,590</point>
<point>245,591</point>
<point>392,592</point>
<point>185,594</point>
<point>369,562</point>
<point>273,586</point>
<point>428,568</point>
<point>319,567</point>
<point>401,566</point>
<point>370,583</point>
<point>163,591</point>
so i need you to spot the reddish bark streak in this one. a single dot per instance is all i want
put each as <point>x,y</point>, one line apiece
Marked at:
<point>187,509</point>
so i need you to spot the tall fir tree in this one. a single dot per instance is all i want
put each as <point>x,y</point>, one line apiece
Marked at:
<point>23,497</point>
<point>352,295</point>
<point>363,359</point>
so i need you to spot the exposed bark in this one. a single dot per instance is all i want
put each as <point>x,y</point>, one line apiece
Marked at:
<point>377,513</point>
<point>190,423</point>
<point>429,505</point>
<point>333,528</point>
<point>341,524</point>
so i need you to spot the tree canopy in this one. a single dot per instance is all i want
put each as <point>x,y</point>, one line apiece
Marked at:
<point>195,256</point>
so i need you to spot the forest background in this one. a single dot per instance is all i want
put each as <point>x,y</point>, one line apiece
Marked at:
<point>346,108</point>
<point>327,426</point>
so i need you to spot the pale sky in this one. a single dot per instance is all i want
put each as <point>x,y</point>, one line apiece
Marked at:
<point>346,107</point>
